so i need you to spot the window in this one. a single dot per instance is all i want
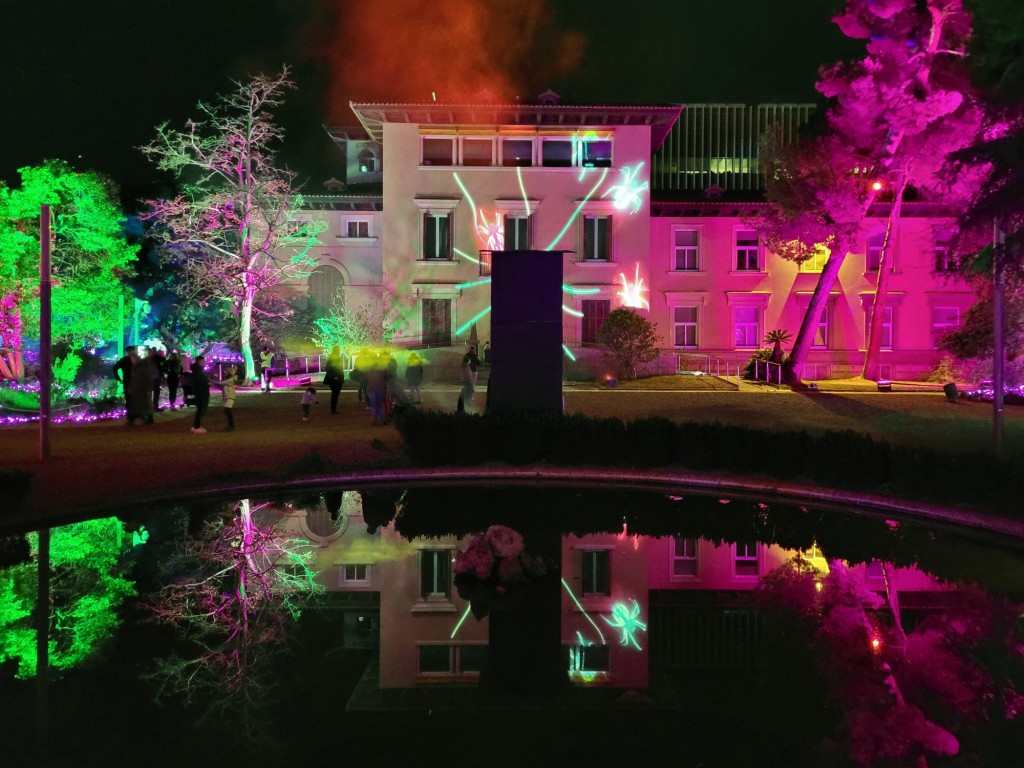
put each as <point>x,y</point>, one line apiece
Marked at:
<point>684,253</point>
<point>358,226</point>
<point>595,573</point>
<point>820,340</point>
<point>944,320</point>
<point>817,260</point>
<point>437,242</point>
<point>587,659</point>
<point>438,151</point>
<point>873,257</point>
<point>355,573</point>
<point>368,161</point>
<point>516,152</point>
<point>746,327</point>
<point>556,153</point>
<point>436,574</point>
<point>324,283</point>
<point>944,260</point>
<point>451,659</point>
<point>886,340</point>
<point>596,234</point>
<point>684,557</point>
<point>595,312</point>
<point>684,327</point>
<point>596,154</point>
<point>437,321</point>
<point>477,151</point>
<point>746,561</point>
<point>748,251</point>
<point>517,233</point>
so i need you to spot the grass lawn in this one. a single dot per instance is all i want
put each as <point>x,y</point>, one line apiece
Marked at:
<point>104,465</point>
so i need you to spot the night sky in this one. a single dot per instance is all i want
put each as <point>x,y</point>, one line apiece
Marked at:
<point>86,80</point>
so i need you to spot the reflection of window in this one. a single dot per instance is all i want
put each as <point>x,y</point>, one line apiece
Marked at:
<point>746,559</point>
<point>451,659</point>
<point>886,336</point>
<point>596,233</point>
<point>437,321</point>
<point>684,327</point>
<point>684,557</point>
<point>746,327</point>
<point>747,251</point>
<point>595,312</point>
<point>516,152</point>
<point>355,573</point>
<point>517,233</point>
<point>435,574</point>
<point>595,572</point>
<point>438,151</point>
<point>944,320</point>
<point>437,242</point>
<point>685,250</point>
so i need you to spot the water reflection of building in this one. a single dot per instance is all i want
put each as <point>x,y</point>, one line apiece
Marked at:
<point>627,600</point>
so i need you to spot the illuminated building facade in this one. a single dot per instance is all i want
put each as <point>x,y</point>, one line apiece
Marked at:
<point>650,204</point>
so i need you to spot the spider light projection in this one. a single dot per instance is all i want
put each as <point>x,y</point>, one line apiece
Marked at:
<point>489,227</point>
<point>627,621</point>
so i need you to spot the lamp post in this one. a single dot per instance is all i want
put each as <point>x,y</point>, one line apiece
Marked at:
<point>45,287</point>
<point>998,286</point>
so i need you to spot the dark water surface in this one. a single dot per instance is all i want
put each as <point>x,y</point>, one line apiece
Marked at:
<point>657,628</point>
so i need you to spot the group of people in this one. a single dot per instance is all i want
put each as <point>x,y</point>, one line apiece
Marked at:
<point>142,372</point>
<point>376,374</point>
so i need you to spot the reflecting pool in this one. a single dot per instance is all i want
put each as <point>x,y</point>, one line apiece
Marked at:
<point>498,624</point>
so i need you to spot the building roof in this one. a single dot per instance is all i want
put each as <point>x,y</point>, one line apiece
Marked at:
<point>659,118</point>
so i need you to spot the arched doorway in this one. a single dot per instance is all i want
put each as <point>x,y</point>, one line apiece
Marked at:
<point>324,283</point>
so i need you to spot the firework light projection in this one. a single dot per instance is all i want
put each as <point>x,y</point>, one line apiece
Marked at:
<point>630,293</point>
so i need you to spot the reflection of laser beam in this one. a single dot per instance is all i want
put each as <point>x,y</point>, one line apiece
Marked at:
<point>568,354</point>
<point>465,613</point>
<point>465,255</point>
<point>473,319</point>
<point>583,610</point>
<point>579,207</point>
<point>571,311</point>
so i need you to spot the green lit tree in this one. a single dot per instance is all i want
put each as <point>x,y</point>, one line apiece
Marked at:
<point>237,586</point>
<point>351,328</point>
<point>90,256</point>
<point>630,339</point>
<point>238,228</point>
<point>87,587</point>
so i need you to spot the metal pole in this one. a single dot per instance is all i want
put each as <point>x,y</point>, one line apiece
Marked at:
<point>999,242</point>
<point>45,288</point>
<point>42,636</point>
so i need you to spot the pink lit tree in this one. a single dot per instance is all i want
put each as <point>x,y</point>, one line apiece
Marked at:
<point>906,106</point>
<point>236,229</point>
<point>818,196</point>
<point>244,581</point>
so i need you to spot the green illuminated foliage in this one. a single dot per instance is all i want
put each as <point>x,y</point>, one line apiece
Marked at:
<point>87,588</point>
<point>89,255</point>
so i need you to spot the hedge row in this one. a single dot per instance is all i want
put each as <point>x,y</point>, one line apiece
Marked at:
<point>847,460</point>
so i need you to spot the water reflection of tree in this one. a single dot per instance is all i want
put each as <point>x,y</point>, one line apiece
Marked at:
<point>234,588</point>
<point>87,588</point>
